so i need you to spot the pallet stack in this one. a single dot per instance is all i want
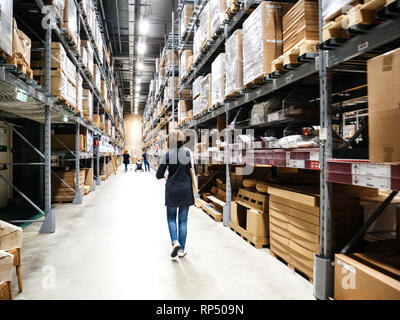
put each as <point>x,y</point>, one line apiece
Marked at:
<point>300,33</point>
<point>218,80</point>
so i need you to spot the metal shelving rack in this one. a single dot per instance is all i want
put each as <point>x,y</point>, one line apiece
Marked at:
<point>40,106</point>
<point>321,69</point>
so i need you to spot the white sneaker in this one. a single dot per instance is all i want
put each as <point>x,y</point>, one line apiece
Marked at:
<point>175,248</point>
<point>181,254</point>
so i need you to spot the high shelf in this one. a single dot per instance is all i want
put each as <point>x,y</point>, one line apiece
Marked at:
<point>23,98</point>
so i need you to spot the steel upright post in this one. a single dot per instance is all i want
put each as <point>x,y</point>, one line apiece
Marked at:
<point>323,265</point>
<point>227,208</point>
<point>49,224</point>
<point>78,195</point>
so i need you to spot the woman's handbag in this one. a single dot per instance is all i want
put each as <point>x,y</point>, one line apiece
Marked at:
<point>193,175</point>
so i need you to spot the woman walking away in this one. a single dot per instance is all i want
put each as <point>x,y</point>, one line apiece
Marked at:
<point>178,190</point>
<point>126,159</point>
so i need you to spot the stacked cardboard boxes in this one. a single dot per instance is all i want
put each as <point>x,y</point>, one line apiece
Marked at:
<point>60,192</point>
<point>87,104</point>
<point>187,13</point>
<point>295,225</point>
<point>300,23</point>
<point>217,15</point>
<point>262,40</point>
<point>205,92</point>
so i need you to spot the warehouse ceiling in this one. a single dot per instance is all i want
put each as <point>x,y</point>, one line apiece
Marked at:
<point>117,15</point>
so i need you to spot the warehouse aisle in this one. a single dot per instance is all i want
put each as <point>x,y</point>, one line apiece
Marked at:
<point>116,246</point>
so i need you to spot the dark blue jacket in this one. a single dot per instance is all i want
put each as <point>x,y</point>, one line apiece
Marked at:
<point>178,189</point>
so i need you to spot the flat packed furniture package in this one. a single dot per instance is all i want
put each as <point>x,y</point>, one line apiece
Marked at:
<point>11,242</point>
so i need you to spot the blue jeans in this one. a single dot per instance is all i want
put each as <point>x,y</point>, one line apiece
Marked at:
<point>146,165</point>
<point>173,232</point>
<point>126,166</point>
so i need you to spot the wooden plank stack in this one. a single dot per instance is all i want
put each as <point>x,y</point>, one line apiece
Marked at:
<point>295,225</point>
<point>300,23</point>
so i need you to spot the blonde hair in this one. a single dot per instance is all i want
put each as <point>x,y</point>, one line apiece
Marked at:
<point>176,139</point>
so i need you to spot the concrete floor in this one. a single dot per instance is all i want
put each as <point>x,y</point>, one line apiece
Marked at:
<point>116,246</point>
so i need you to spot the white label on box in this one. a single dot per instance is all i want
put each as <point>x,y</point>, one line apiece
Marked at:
<point>346,266</point>
<point>371,182</point>
<point>287,156</point>
<point>371,170</point>
<point>314,156</point>
<point>300,164</point>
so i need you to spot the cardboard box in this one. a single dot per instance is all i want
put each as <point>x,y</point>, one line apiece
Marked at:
<point>187,13</point>
<point>217,15</point>
<point>300,23</point>
<point>262,39</point>
<point>69,141</point>
<point>21,44</point>
<point>367,277</point>
<point>96,120</point>
<point>6,26</point>
<point>205,92</point>
<point>384,111</point>
<point>257,223</point>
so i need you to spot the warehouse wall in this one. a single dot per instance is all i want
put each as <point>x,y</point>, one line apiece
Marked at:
<point>133,135</point>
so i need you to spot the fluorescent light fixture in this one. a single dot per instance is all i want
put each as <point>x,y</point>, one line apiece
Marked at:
<point>140,66</point>
<point>141,48</point>
<point>144,26</point>
<point>138,88</point>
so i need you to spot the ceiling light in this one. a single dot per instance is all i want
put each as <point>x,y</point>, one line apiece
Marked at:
<point>138,88</point>
<point>141,48</point>
<point>138,80</point>
<point>144,26</point>
<point>140,65</point>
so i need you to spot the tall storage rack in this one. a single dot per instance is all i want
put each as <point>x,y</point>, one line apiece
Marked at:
<point>38,104</point>
<point>327,70</point>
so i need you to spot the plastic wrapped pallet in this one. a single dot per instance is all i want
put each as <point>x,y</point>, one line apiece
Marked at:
<point>79,92</point>
<point>70,70</point>
<point>97,77</point>
<point>104,92</point>
<point>204,27</point>
<point>84,55</point>
<point>184,106</point>
<point>196,106</point>
<point>59,84</point>
<point>87,104</point>
<point>196,45</point>
<point>234,63</point>
<point>205,92</point>
<point>185,61</point>
<point>218,80</point>
<point>330,7</point>
<point>170,55</point>
<point>300,23</point>
<point>71,19</point>
<point>262,39</point>
<point>217,15</point>
<point>71,88</point>
<point>88,47</point>
<point>187,13</point>
<point>21,44</point>
<point>6,26</point>
<point>196,87</point>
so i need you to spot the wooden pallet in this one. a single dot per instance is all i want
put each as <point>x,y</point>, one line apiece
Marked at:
<point>252,200</point>
<point>256,81</point>
<point>257,242</point>
<point>357,20</point>
<point>291,265</point>
<point>19,62</point>
<point>291,57</point>
<point>209,210</point>
<point>233,94</point>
